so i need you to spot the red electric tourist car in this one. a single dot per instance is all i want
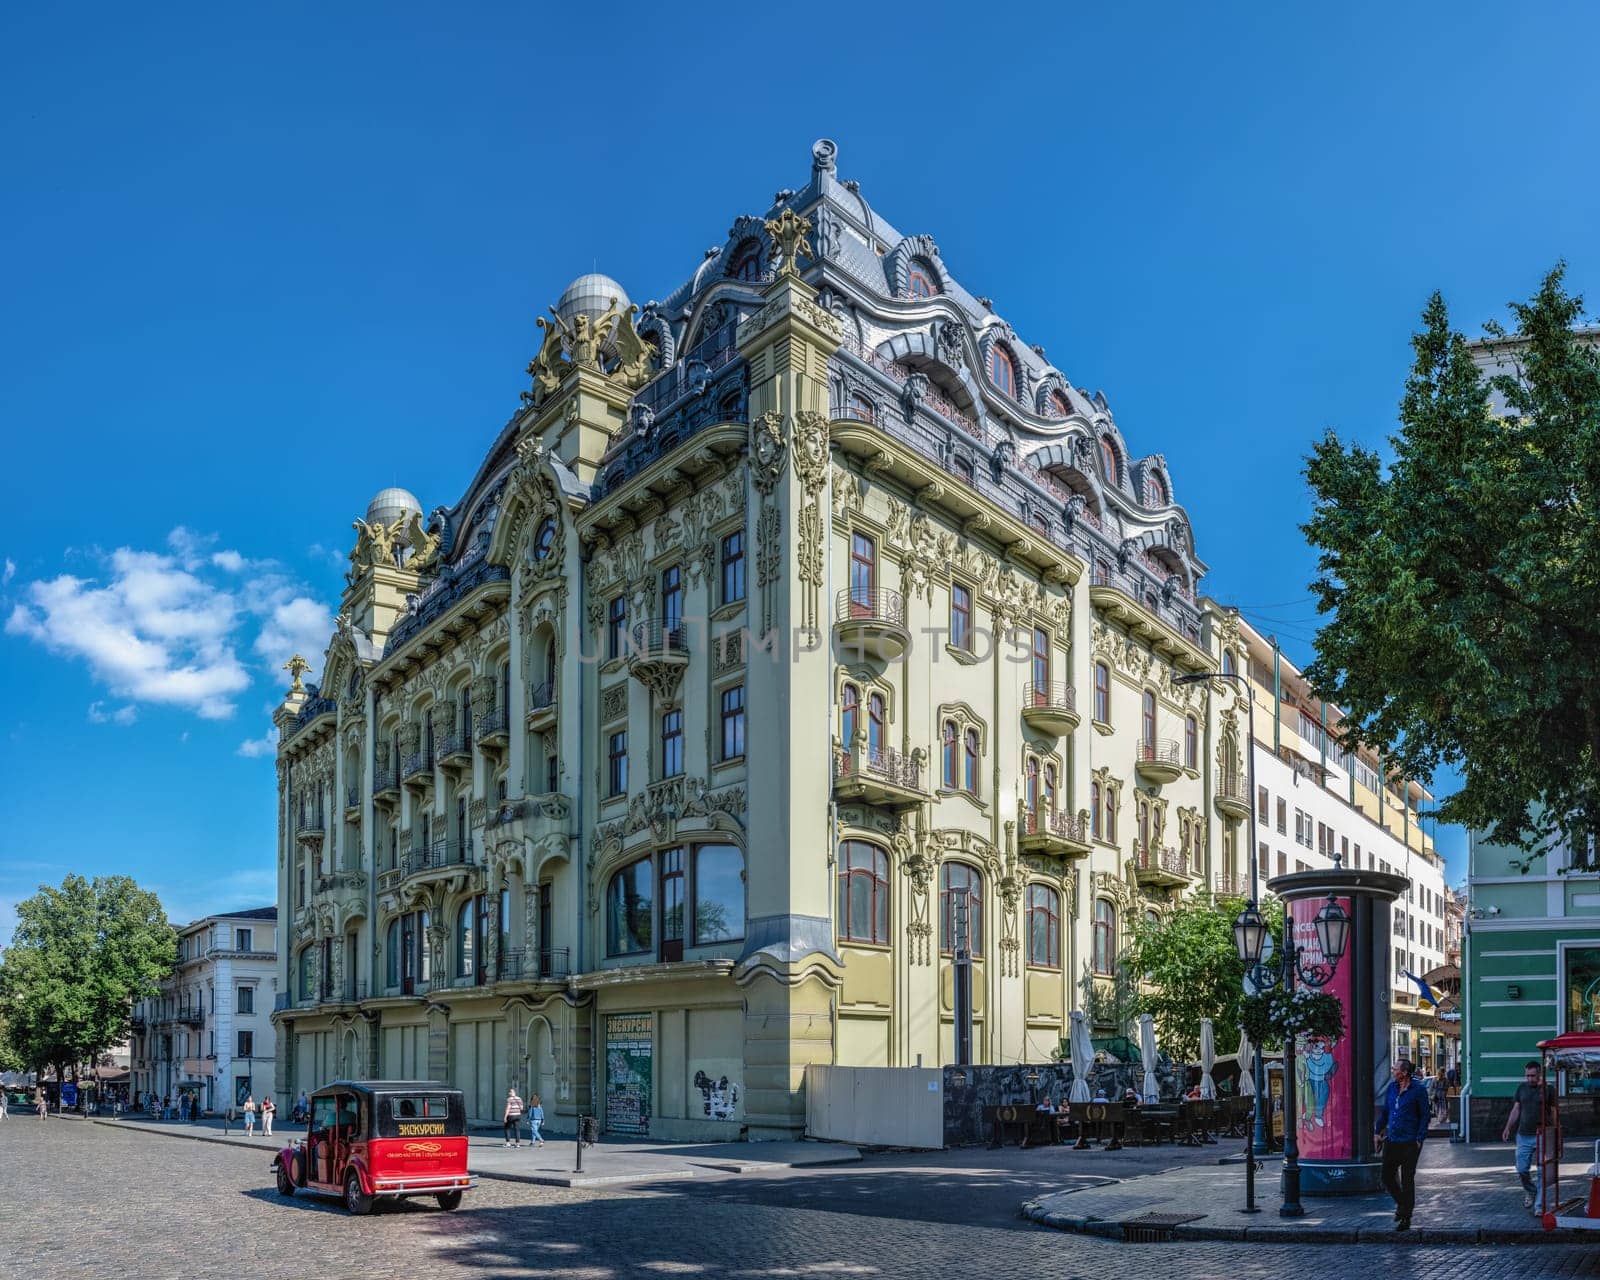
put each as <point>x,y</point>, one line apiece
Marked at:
<point>372,1140</point>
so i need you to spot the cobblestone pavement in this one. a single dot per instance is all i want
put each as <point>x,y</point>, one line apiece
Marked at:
<point>87,1200</point>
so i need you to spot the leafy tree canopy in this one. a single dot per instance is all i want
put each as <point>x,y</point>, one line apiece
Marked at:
<point>80,956</point>
<point>1462,580</point>
<point>1190,969</point>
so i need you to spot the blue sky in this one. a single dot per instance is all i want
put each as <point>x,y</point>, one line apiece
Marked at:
<point>264,262</point>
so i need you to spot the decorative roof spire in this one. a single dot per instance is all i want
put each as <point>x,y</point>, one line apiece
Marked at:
<point>789,231</point>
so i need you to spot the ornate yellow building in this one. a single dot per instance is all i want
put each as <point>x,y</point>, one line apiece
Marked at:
<point>792,627</point>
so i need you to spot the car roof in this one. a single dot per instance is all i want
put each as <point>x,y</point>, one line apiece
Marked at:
<point>387,1086</point>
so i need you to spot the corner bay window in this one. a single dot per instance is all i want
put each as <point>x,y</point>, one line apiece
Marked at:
<point>701,894</point>
<point>960,886</point>
<point>863,893</point>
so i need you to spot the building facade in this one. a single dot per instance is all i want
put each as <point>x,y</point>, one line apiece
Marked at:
<point>1317,801</point>
<point>795,633</point>
<point>209,1031</point>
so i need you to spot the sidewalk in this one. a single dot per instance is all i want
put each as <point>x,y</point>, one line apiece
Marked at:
<point>554,1164</point>
<point>1465,1195</point>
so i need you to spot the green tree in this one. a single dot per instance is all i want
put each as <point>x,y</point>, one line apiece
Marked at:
<point>1189,969</point>
<point>80,956</point>
<point>10,1059</point>
<point>1462,579</point>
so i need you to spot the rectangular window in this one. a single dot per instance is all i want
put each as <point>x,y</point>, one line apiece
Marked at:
<point>733,722</point>
<point>617,627</point>
<point>247,1044</point>
<point>1102,693</point>
<point>960,617</point>
<point>672,598</point>
<point>1041,666</point>
<point>1283,863</point>
<point>863,574</point>
<point>733,567</point>
<point>242,940</point>
<point>1263,807</point>
<point>1283,816</point>
<point>245,1000</point>
<point>617,764</point>
<point>671,744</point>
<point>673,906</point>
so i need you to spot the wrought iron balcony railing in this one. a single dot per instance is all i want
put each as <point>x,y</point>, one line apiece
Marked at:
<point>533,964</point>
<point>660,638</point>
<point>883,763</point>
<point>1052,696</point>
<point>1059,823</point>
<point>856,604</point>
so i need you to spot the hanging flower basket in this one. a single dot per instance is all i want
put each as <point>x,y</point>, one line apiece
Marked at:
<point>1271,1017</point>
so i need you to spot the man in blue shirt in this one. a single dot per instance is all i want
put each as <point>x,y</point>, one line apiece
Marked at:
<point>1402,1124</point>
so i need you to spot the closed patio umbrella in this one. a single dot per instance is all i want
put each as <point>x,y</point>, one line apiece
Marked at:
<point>1082,1057</point>
<point>1247,1065</point>
<point>1208,1057</point>
<point>1147,1051</point>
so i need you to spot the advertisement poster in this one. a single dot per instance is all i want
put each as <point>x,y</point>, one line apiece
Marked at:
<point>630,1060</point>
<point>1322,1068</point>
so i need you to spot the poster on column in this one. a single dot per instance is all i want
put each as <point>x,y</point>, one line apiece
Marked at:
<point>630,1064</point>
<point>1322,1068</point>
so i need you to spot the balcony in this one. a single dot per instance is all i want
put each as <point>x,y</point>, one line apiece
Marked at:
<point>1232,796</point>
<point>542,706</point>
<point>531,964</point>
<point>189,1015</point>
<point>386,786</point>
<point>310,829</point>
<point>1159,762</point>
<point>1053,833</point>
<point>416,771</point>
<point>871,624</point>
<point>441,855</point>
<point>1227,884</point>
<point>1049,709</point>
<point>455,751</point>
<point>881,776</point>
<point>494,730</point>
<point>658,655</point>
<point>136,1024</point>
<point>1159,867</point>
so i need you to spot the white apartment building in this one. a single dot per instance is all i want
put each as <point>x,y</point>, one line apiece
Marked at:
<point>1315,801</point>
<point>209,1030</point>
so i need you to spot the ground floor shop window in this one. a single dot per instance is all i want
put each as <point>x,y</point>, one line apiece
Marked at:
<point>1580,984</point>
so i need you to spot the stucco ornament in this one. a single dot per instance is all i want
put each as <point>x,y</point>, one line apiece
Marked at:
<point>634,353</point>
<point>811,449</point>
<point>296,667</point>
<point>547,368</point>
<point>375,545</point>
<point>424,545</point>
<point>768,450</point>
<point>789,231</point>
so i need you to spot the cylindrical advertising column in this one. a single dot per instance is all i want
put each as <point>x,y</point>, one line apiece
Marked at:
<point>1337,1082</point>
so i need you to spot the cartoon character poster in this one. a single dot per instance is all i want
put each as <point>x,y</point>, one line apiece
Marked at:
<point>1322,1067</point>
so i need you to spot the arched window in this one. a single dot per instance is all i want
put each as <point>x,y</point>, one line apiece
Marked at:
<point>969,779</point>
<point>951,742</point>
<point>1111,814</point>
<point>875,726</point>
<point>1228,668</point>
<point>466,935</point>
<point>1049,796</point>
<point>628,910</point>
<point>1102,693</point>
<point>728,410</point>
<point>1002,370</point>
<point>543,539</point>
<point>1155,492</point>
<point>745,262</point>
<point>863,893</point>
<point>1108,461</point>
<point>308,972</point>
<point>1060,407</point>
<point>923,281</point>
<point>849,713</point>
<point>1148,719</point>
<point>1105,937</point>
<point>859,408</point>
<point>1191,742</point>
<point>1044,926</point>
<point>1094,810</point>
<point>960,884</point>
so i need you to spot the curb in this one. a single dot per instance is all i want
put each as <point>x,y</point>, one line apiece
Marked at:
<point>222,1140</point>
<point>1112,1229</point>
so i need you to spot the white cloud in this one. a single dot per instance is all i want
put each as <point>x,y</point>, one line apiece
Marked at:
<point>10,571</point>
<point>167,627</point>
<point>122,715</point>
<point>255,748</point>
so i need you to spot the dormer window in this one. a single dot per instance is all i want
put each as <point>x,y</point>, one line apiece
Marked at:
<point>1003,370</point>
<point>1059,408</point>
<point>923,281</point>
<point>860,408</point>
<point>1108,460</point>
<point>1155,492</point>
<point>745,264</point>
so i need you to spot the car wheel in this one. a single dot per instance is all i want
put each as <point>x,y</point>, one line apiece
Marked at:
<point>285,1183</point>
<point>355,1199</point>
<point>449,1200</point>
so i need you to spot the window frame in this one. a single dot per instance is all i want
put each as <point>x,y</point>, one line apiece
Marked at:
<point>733,567</point>
<point>733,720</point>
<point>1103,949</point>
<point>672,742</point>
<point>1044,901</point>
<point>961,617</point>
<point>947,912</point>
<point>617,764</point>
<point>1003,370</point>
<point>1102,693</point>
<point>877,872</point>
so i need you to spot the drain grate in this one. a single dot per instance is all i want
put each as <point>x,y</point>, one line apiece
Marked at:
<point>1154,1228</point>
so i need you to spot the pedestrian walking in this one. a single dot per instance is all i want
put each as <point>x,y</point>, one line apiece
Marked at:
<point>302,1109</point>
<point>535,1120</point>
<point>269,1108</point>
<point>1402,1125</point>
<point>40,1104</point>
<point>2,1104</point>
<point>250,1115</point>
<point>228,1117</point>
<point>1533,1101</point>
<point>194,1108</point>
<point>513,1118</point>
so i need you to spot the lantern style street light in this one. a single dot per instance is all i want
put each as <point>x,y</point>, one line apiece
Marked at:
<point>1332,926</point>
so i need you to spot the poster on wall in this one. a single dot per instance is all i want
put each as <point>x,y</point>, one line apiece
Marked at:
<point>1322,1066</point>
<point>718,1095</point>
<point>630,1061</point>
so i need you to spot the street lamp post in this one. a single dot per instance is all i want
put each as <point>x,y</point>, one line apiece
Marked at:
<point>1255,1137</point>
